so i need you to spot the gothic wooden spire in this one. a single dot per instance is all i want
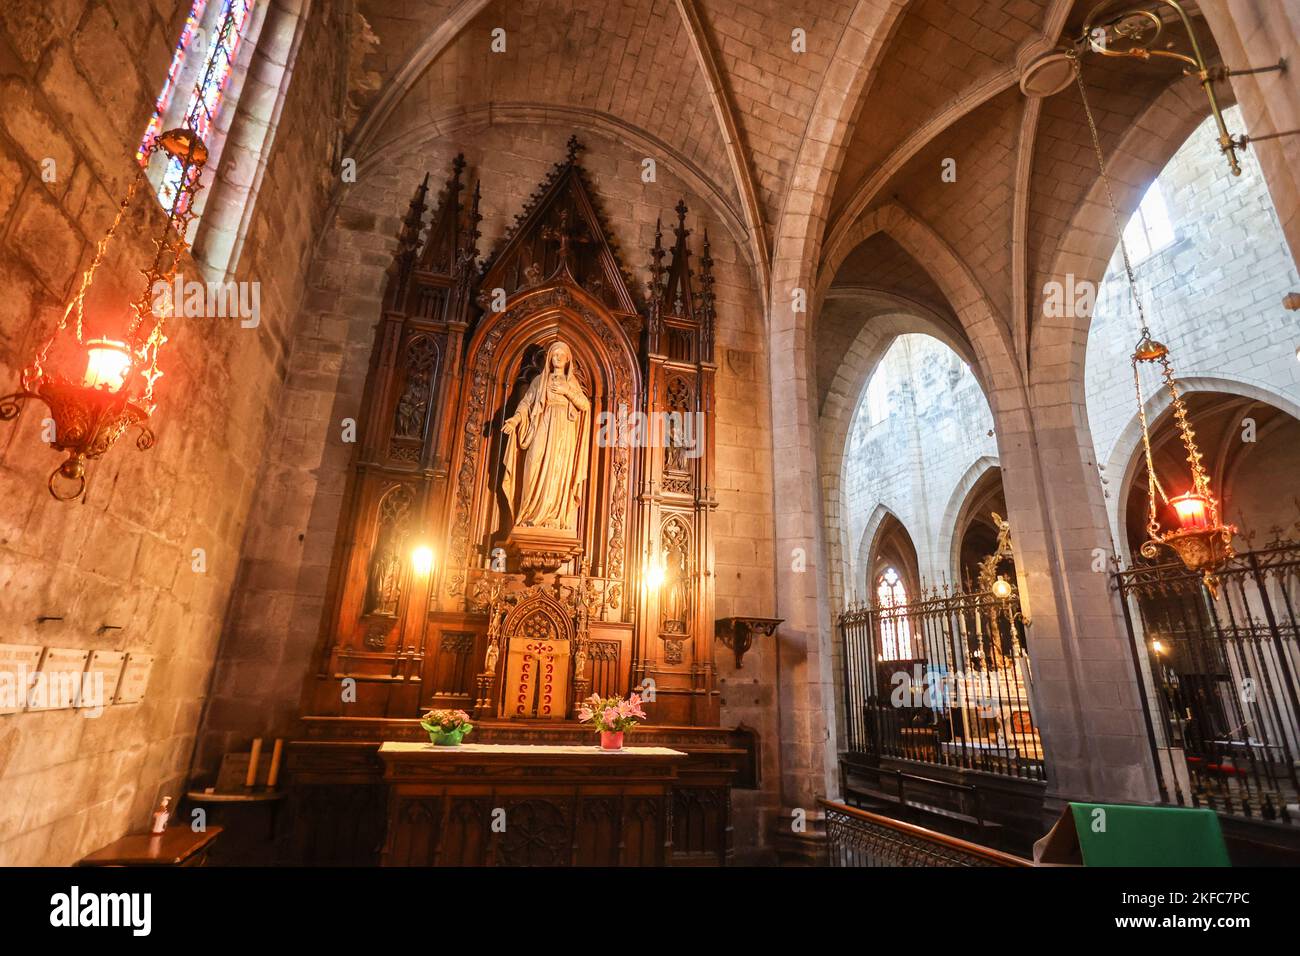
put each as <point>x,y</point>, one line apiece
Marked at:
<point>442,247</point>
<point>707,298</point>
<point>408,246</point>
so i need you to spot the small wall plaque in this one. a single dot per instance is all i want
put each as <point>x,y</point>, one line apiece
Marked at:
<point>18,665</point>
<point>135,678</point>
<point>59,681</point>
<point>109,665</point>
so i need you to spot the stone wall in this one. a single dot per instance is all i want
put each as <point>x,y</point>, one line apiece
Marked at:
<point>275,617</point>
<point>78,80</point>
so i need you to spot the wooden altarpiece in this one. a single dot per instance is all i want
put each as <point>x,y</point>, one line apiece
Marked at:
<point>621,602</point>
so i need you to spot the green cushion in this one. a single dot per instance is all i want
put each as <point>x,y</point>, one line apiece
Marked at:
<point>1149,836</point>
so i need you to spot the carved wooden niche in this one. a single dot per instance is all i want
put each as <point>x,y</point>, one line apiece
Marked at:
<point>556,279</point>
<point>605,378</point>
<point>417,372</point>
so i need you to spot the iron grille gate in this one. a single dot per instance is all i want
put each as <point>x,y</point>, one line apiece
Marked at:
<point>1219,674</point>
<point>942,680</point>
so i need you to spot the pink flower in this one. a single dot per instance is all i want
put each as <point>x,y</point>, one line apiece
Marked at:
<point>584,713</point>
<point>610,715</point>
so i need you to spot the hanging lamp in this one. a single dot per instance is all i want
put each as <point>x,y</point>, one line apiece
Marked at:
<point>1201,540</point>
<point>96,388</point>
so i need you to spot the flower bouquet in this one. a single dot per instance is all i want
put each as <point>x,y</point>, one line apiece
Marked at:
<point>611,716</point>
<point>446,727</point>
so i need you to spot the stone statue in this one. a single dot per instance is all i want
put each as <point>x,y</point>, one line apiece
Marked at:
<point>490,661</point>
<point>551,427</point>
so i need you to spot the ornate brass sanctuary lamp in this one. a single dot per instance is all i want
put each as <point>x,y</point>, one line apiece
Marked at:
<point>1202,541</point>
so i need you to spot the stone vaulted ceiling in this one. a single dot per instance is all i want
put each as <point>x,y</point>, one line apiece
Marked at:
<point>715,88</point>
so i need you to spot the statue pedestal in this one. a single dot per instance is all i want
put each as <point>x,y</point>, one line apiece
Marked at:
<point>540,550</point>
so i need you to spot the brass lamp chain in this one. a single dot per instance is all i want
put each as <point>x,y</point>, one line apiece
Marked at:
<point>33,373</point>
<point>1153,483</point>
<point>1110,196</point>
<point>1200,480</point>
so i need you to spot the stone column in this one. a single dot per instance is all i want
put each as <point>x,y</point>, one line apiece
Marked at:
<point>1252,34</point>
<point>1085,695</point>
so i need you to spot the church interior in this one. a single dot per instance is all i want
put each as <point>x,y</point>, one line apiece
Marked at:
<point>685,433</point>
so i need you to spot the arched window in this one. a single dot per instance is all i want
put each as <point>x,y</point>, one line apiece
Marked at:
<point>895,632</point>
<point>193,93</point>
<point>1149,229</point>
<point>220,54</point>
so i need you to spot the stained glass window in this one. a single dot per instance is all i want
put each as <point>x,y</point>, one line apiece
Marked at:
<point>895,630</point>
<point>199,74</point>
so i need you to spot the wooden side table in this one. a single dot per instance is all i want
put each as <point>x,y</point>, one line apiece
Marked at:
<point>177,846</point>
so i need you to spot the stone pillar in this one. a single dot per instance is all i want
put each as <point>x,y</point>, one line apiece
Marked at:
<point>805,682</point>
<point>1085,694</point>
<point>1251,34</point>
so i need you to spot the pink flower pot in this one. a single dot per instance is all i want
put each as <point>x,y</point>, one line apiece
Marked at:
<point>611,740</point>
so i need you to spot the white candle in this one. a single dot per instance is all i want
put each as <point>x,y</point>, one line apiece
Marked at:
<point>253,758</point>
<point>276,752</point>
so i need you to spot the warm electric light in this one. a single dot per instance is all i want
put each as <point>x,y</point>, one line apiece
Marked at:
<point>1193,511</point>
<point>1157,647</point>
<point>654,575</point>
<point>422,559</point>
<point>107,364</point>
<point>1001,588</point>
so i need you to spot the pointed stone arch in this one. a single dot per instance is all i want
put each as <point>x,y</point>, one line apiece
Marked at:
<point>1124,460</point>
<point>583,120</point>
<point>885,536</point>
<point>958,511</point>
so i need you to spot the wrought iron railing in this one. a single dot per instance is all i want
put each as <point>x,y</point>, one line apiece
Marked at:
<point>1220,684</point>
<point>858,838</point>
<point>943,680</point>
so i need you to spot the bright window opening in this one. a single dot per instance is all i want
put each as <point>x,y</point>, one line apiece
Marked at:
<point>895,631</point>
<point>1149,229</point>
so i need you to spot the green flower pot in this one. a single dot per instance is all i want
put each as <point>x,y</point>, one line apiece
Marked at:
<point>446,738</point>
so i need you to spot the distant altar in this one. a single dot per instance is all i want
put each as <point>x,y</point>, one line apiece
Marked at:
<point>507,544</point>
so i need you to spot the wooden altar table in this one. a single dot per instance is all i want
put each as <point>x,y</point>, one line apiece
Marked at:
<point>522,805</point>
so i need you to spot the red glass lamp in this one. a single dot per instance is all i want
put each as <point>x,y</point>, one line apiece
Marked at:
<point>1202,541</point>
<point>96,388</point>
<point>1193,511</point>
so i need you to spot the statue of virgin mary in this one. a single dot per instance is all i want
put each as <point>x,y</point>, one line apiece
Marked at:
<point>550,427</point>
